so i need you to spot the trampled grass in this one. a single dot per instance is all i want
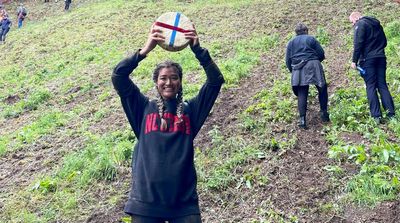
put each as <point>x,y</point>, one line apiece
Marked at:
<point>58,69</point>
<point>76,59</point>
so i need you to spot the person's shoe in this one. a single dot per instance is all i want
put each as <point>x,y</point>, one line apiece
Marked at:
<point>302,122</point>
<point>377,120</point>
<point>325,116</point>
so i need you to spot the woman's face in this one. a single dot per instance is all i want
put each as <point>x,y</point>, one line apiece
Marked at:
<point>168,83</point>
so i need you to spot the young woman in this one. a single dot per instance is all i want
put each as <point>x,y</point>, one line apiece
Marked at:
<point>163,172</point>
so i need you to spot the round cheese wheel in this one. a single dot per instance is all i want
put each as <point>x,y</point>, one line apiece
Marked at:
<point>173,26</point>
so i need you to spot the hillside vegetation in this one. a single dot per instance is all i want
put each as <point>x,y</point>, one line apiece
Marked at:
<point>65,143</point>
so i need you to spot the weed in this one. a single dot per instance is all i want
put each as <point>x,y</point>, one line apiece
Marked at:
<point>251,178</point>
<point>336,170</point>
<point>370,189</point>
<point>99,160</point>
<point>45,185</point>
<point>322,36</point>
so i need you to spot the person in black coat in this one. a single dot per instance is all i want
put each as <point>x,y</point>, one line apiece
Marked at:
<point>369,53</point>
<point>67,3</point>
<point>5,25</point>
<point>304,55</point>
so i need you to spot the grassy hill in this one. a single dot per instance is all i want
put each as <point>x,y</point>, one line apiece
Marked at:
<point>65,144</point>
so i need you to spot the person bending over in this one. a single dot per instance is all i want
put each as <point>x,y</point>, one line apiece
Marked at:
<point>304,55</point>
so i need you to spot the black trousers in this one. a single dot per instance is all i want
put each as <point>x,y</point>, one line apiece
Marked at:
<point>302,94</point>
<point>375,80</point>
<point>67,3</point>
<point>184,219</point>
<point>3,33</point>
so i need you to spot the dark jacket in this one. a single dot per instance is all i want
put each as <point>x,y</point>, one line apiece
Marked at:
<point>369,39</point>
<point>303,48</point>
<point>5,23</point>
<point>163,173</point>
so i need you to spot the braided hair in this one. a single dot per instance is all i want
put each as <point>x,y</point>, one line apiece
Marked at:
<point>160,100</point>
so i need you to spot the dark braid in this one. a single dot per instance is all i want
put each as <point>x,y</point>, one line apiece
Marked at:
<point>179,109</point>
<point>161,110</point>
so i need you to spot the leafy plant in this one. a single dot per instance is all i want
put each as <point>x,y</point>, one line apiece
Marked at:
<point>322,36</point>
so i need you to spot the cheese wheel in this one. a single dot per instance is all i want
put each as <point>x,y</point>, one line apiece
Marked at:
<point>173,26</point>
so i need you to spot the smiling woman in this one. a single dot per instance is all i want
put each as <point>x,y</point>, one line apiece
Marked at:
<point>168,81</point>
<point>164,178</point>
<point>168,78</point>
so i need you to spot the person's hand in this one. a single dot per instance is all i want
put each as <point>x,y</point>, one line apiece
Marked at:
<point>154,37</point>
<point>353,65</point>
<point>192,35</point>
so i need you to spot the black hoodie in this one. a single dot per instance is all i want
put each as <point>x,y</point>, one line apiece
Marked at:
<point>369,39</point>
<point>164,177</point>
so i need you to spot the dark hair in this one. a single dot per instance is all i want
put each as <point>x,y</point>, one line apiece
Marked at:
<point>160,100</point>
<point>301,29</point>
<point>167,64</point>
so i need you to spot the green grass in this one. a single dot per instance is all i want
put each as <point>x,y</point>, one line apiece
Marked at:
<point>63,87</point>
<point>378,156</point>
<point>59,195</point>
<point>279,96</point>
<point>44,125</point>
<point>84,66</point>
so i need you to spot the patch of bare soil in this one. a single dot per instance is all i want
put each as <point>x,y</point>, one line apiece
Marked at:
<point>113,213</point>
<point>234,101</point>
<point>388,212</point>
<point>352,138</point>
<point>299,183</point>
<point>11,99</point>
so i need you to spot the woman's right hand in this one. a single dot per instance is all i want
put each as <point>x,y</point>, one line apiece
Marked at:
<point>154,37</point>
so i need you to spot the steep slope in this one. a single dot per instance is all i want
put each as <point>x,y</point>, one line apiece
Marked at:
<point>66,143</point>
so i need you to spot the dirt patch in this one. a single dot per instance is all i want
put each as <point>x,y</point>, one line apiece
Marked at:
<point>388,212</point>
<point>11,99</point>
<point>234,101</point>
<point>352,138</point>
<point>111,213</point>
<point>294,187</point>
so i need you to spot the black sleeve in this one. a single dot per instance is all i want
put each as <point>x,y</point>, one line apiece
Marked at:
<point>133,101</point>
<point>319,50</point>
<point>384,36</point>
<point>200,106</point>
<point>358,42</point>
<point>288,58</point>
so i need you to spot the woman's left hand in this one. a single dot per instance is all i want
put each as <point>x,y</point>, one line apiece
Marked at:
<point>192,35</point>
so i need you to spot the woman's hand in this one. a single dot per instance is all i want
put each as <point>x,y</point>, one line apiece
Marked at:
<point>154,37</point>
<point>194,38</point>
